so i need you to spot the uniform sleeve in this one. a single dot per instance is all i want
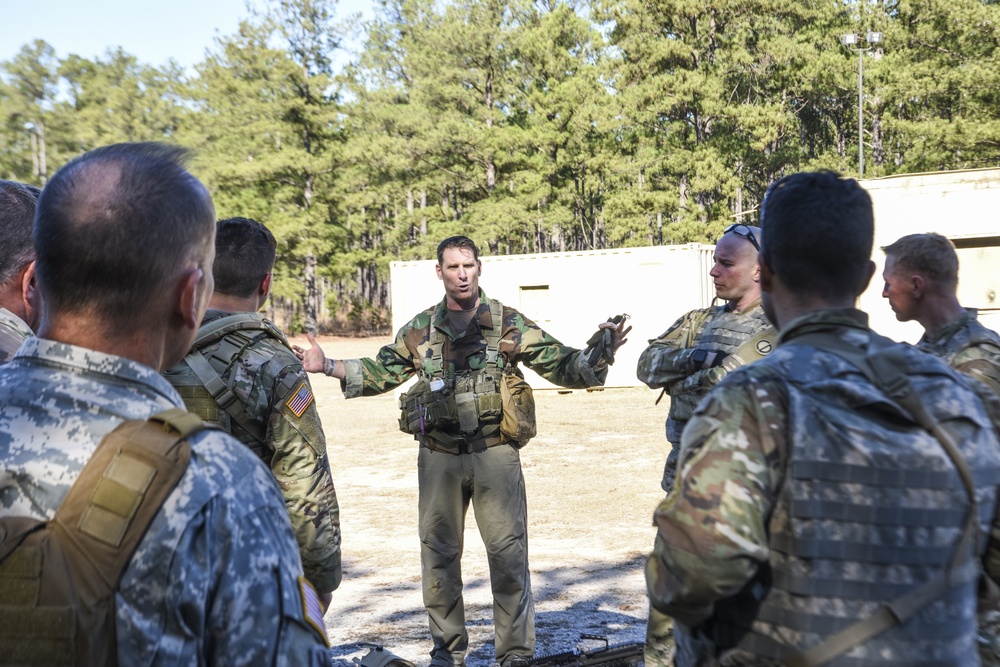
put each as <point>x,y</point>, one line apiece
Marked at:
<point>981,361</point>
<point>711,528</point>
<point>217,579</point>
<point>539,351</point>
<point>666,363</point>
<point>302,469</point>
<point>391,367</point>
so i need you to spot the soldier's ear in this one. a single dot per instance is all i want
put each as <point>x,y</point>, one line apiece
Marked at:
<point>265,286</point>
<point>766,276</point>
<point>193,296</point>
<point>437,267</point>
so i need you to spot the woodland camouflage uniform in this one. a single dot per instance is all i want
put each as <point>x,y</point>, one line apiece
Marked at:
<point>755,553</point>
<point>215,579</point>
<point>13,332</point>
<point>486,471</point>
<point>277,399</point>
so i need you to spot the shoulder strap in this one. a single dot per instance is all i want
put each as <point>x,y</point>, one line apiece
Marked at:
<point>69,598</point>
<point>123,485</point>
<point>211,379</point>
<point>216,329</point>
<point>493,358</point>
<point>881,367</point>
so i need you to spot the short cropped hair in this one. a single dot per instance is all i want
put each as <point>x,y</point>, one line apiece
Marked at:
<point>17,215</point>
<point>463,242</point>
<point>818,232</point>
<point>244,254</point>
<point>115,224</point>
<point>930,255</point>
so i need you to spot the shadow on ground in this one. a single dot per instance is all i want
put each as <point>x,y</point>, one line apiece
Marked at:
<point>598,598</point>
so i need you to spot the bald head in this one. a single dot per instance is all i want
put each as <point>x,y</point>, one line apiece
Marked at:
<point>735,271</point>
<point>115,225</point>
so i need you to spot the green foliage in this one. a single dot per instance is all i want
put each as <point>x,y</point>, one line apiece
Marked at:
<point>529,125</point>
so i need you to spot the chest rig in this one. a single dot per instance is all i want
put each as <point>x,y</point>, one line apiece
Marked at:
<point>457,411</point>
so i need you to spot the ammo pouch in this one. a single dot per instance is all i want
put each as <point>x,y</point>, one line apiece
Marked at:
<point>518,421</point>
<point>427,406</point>
<point>58,578</point>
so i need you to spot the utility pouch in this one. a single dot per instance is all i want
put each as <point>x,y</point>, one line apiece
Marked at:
<point>465,404</point>
<point>518,421</point>
<point>425,407</point>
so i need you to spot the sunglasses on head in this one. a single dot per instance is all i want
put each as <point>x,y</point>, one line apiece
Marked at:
<point>745,232</point>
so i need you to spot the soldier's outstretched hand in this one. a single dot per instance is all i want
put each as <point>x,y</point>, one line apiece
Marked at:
<point>620,331</point>
<point>313,359</point>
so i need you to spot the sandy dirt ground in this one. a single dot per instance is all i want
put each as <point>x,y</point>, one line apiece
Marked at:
<point>592,475</point>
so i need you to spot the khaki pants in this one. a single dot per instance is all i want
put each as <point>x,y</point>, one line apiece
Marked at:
<point>492,480</point>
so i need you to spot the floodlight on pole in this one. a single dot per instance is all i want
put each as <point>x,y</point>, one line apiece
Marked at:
<point>849,40</point>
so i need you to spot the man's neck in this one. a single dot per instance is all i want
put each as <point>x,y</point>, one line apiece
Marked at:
<point>137,342</point>
<point>745,303</point>
<point>464,304</point>
<point>228,303</point>
<point>936,312</point>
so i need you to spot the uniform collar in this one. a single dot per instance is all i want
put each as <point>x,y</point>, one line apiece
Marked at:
<point>80,360</point>
<point>16,323</point>
<point>823,320</point>
<point>949,330</point>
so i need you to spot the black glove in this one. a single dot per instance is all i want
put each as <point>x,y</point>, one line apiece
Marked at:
<point>602,343</point>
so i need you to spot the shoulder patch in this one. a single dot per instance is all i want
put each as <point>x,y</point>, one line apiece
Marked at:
<point>300,400</point>
<point>312,610</point>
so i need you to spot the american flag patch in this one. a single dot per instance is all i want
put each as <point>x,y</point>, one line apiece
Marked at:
<point>312,609</point>
<point>300,400</point>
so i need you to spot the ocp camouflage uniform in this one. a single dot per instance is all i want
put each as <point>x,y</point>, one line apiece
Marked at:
<point>486,470</point>
<point>968,346</point>
<point>215,580</point>
<point>787,524</point>
<point>667,363</point>
<point>277,401</point>
<point>13,332</point>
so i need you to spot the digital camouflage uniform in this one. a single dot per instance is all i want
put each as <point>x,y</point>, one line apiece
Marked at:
<point>215,580</point>
<point>13,332</point>
<point>487,473</point>
<point>805,500</point>
<point>667,363</point>
<point>277,401</point>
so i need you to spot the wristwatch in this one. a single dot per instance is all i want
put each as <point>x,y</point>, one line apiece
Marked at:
<point>699,358</point>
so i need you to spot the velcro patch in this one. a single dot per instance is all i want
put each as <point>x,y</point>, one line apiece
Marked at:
<point>312,610</point>
<point>300,400</point>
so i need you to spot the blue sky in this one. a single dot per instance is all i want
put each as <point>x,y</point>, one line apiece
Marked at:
<point>153,31</point>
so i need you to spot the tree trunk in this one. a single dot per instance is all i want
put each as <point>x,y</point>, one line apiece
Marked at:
<point>311,293</point>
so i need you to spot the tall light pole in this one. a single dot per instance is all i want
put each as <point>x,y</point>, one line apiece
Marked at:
<point>850,40</point>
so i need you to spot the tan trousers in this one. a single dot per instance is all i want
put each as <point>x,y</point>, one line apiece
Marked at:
<point>492,481</point>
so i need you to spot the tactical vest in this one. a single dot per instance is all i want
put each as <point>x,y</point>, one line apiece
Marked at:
<point>724,331</point>
<point>973,335</point>
<point>462,412</point>
<point>198,378</point>
<point>857,539</point>
<point>58,578</point>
